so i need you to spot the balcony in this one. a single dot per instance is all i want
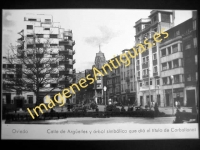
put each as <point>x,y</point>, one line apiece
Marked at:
<point>68,33</point>
<point>53,65</point>
<point>155,62</point>
<point>127,79</point>
<point>64,82</point>
<point>74,61</point>
<point>65,72</point>
<point>145,65</point>
<point>38,55</point>
<point>67,42</point>
<point>127,90</point>
<point>73,52</point>
<point>63,62</point>
<point>155,74</point>
<point>145,76</point>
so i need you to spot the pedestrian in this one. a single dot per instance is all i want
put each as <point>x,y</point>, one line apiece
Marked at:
<point>176,103</point>
<point>179,105</point>
<point>156,110</point>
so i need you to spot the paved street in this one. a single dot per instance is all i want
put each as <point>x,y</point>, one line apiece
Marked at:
<point>166,110</point>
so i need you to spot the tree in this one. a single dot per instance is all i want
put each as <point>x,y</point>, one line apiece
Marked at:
<point>37,64</point>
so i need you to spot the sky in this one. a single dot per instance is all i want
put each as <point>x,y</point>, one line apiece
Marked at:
<point>111,28</point>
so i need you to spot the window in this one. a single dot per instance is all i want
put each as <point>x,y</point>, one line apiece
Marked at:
<point>53,85</point>
<point>163,52</point>
<point>4,65</point>
<point>29,26</point>
<point>138,62</point>
<point>47,20</point>
<point>150,82</point>
<point>175,48</point>
<point>131,86</point>
<point>144,72</point>
<point>176,78</point>
<point>40,35</point>
<point>53,36</point>
<point>154,19</point>
<point>188,77</point>
<point>164,66</point>
<point>164,81</point>
<point>169,50</point>
<point>29,35</point>
<point>32,19</point>
<point>175,63</point>
<point>46,28</point>
<point>195,42</point>
<point>138,29</point>
<point>29,45</point>
<point>158,81</point>
<point>30,99</point>
<point>140,84</point>
<point>146,83</point>
<point>155,69</point>
<point>196,60</point>
<point>18,66</point>
<point>138,73</point>
<point>154,56</point>
<point>10,76</point>
<point>165,17</point>
<point>169,65</point>
<point>194,25</point>
<point>10,66</point>
<point>188,46</point>
<point>143,60</point>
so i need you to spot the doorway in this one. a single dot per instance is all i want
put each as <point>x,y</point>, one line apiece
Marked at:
<point>190,98</point>
<point>167,100</point>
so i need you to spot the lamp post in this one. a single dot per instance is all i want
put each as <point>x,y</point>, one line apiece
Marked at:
<point>172,78</point>
<point>157,96</point>
<point>105,88</point>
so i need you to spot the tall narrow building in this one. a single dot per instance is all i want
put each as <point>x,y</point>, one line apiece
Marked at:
<point>147,64</point>
<point>100,60</point>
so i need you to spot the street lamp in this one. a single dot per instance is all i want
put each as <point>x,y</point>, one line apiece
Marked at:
<point>172,78</point>
<point>105,88</point>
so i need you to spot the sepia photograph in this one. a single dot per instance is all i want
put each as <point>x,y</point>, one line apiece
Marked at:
<point>99,74</point>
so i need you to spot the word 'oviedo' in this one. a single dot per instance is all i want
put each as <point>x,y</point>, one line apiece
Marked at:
<point>59,98</point>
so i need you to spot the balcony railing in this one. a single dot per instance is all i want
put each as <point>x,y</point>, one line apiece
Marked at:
<point>155,74</point>
<point>145,65</point>
<point>127,90</point>
<point>73,52</point>
<point>74,61</point>
<point>63,62</point>
<point>145,76</point>
<point>65,72</point>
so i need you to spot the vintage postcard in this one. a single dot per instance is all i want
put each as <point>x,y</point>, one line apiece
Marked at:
<point>99,74</point>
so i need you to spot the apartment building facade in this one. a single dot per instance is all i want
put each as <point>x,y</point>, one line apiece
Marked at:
<point>40,32</point>
<point>147,64</point>
<point>128,82</point>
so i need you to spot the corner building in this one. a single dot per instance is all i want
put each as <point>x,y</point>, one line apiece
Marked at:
<point>147,66</point>
<point>179,57</point>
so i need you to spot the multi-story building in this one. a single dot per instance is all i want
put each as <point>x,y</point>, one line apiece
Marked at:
<point>128,87</point>
<point>113,84</point>
<point>179,64</point>
<point>79,94</point>
<point>100,60</point>
<point>40,32</point>
<point>147,66</point>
